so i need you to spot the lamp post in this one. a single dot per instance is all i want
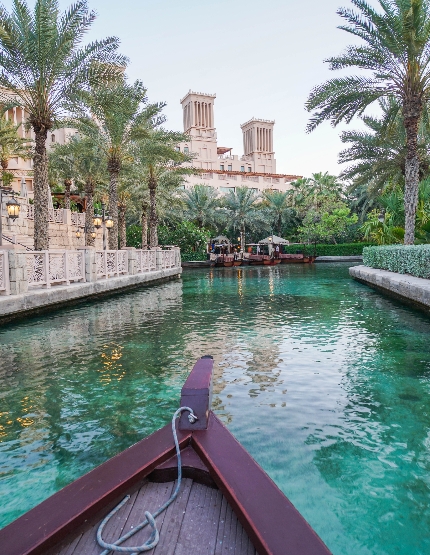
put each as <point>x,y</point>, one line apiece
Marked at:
<point>103,220</point>
<point>12,206</point>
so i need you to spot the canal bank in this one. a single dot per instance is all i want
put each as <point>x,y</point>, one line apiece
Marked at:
<point>401,286</point>
<point>42,300</point>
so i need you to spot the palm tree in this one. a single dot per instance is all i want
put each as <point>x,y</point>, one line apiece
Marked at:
<point>115,118</point>
<point>160,160</point>
<point>11,144</point>
<point>241,205</point>
<point>278,204</point>
<point>201,203</point>
<point>42,69</point>
<point>397,56</point>
<point>89,171</point>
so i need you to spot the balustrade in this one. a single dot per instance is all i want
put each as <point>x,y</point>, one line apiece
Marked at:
<point>4,273</point>
<point>52,267</point>
<point>111,263</point>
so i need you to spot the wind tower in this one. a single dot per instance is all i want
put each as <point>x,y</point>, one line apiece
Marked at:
<point>258,144</point>
<point>198,117</point>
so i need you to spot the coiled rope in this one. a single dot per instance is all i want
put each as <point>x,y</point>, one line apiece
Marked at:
<point>150,518</point>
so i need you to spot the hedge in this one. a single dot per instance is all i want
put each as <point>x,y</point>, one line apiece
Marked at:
<point>342,249</point>
<point>191,256</point>
<point>403,259</point>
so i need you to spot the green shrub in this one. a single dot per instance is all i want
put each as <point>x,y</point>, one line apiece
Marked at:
<point>342,249</point>
<point>192,256</point>
<point>403,259</point>
<point>134,236</point>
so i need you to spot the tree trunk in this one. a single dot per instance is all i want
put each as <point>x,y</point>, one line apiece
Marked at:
<point>153,218</point>
<point>89,212</point>
<point>412,109</point>
<point>279,225</point>
<point>40,187</point>
<point>144,220</point>
<point>113,209</point>
<point>121,225</point>
<point>67,187</point>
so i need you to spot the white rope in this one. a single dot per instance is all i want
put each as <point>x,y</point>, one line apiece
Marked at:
<point>154,538</point>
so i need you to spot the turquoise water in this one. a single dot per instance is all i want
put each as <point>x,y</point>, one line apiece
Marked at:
<point>323,380</point>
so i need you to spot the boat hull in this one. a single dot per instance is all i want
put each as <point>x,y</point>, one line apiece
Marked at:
<point>198,264</point>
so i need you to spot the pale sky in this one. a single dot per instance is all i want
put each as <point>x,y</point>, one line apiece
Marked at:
<point>261,58</point>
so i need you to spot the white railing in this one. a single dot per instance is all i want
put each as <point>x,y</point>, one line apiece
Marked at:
<point>207,175</point>
<point>57,216</point>
<point>168,259</point>
<point>233,177</point>
<point>4,273</point>
<point>111,263</point>
<point>78,219</point>
<point>52,267</point>
<point>146,261</point>
<point>267,179</point>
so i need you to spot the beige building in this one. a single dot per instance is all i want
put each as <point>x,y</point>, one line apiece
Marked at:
<point>222,169</point>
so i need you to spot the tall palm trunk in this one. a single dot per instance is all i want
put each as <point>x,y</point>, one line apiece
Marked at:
<point>144,220</point>
<point>279,225</point>
<point>153,218</point>
<point>67,187</point>
<point>40,188</point>
<point>122,208</point>
<point>412,109</point>
<point>113,168</point>
<point>89,212</point>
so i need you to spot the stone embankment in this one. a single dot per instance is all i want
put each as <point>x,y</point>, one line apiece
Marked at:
<point>41,280</point>
<point>339,259</point>
<point>402,286</point>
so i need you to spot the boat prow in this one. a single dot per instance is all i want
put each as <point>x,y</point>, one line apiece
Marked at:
<point>225,499</point>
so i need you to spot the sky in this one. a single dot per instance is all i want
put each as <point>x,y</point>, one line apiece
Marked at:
<point>261,58</point>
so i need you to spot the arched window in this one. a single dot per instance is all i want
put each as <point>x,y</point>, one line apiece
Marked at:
<point>186,150</point>
<point>52,138</point>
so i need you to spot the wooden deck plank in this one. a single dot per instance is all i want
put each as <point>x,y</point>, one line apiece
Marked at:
<point>173,520</point>
<point>88,544</point>
<point>200,524</point>
<point>149,500</point>
<point>200,520</point>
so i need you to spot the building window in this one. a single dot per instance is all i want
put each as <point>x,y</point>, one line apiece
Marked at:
<point>52,138</point>
<point>230,167</point>
<point>221,167</point>
<point>249,169</point>
<point>186,150</point>
<point>242,168</point>
<point>178,149</point>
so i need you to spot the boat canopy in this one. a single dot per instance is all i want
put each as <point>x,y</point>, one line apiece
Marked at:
<point>274,240</point>
<point>220,240</point>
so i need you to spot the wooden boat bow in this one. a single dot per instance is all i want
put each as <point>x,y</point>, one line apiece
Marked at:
<point>211,455</point>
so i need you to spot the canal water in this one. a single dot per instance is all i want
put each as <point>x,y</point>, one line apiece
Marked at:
<point>325,381</point>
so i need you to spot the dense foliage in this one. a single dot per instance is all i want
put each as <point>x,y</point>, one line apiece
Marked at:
<point>411,259</point>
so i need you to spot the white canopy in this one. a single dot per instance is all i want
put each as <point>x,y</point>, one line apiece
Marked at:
<point>220,239</point>
<point>274,240</point>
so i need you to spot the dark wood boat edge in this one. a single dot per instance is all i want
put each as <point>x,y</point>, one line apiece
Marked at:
<point>271,521</point>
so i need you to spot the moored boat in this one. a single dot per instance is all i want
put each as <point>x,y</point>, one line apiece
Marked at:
<point>223,499</point>
<point>268,261</point>
<point>238,262</point>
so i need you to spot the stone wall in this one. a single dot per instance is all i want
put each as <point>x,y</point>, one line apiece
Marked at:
<point>402,286</point>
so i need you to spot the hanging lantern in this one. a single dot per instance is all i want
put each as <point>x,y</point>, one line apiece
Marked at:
<point>97,221</point>
<point>13,207</point>
<point>109,222</point>
<point>93,234</point>
<point>78,233</point>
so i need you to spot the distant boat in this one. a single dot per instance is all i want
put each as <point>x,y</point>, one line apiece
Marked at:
<point>271,261</point>
<point>238,262</point>
<point>225,500</point>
